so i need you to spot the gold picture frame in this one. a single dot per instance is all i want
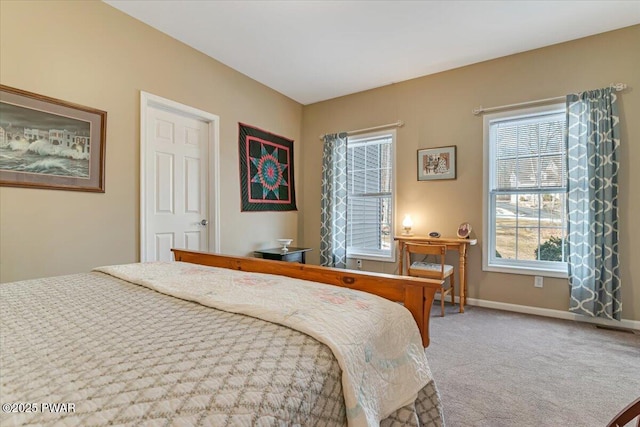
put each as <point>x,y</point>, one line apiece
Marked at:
<point>50,143</point>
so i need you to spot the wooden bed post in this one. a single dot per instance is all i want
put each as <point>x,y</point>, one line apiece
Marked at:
<point>418,301</point>
<point>415,293</point>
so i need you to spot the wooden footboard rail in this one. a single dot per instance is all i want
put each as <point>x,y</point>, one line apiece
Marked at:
<point>416,294</point>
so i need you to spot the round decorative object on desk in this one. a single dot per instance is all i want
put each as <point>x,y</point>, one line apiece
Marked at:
<point>284,243</point>
<point>434,234</point>
<point>464,230</point>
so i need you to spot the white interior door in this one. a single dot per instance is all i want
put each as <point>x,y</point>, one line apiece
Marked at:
<point>176,183</point>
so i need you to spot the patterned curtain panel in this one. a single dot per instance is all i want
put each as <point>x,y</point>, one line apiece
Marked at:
<point>592,169</point>
<point>333,230</point>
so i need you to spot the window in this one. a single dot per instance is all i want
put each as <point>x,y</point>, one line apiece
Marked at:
<point>525,191</point>
<point>370,196</point>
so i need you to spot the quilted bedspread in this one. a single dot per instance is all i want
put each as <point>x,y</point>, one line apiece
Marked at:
<point>118,353</point>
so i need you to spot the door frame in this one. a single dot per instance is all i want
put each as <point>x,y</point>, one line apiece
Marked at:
<point>148,100</point>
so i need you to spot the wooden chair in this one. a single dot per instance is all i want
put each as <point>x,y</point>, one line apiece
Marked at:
<point>432,270</point>
<point>628,414</point>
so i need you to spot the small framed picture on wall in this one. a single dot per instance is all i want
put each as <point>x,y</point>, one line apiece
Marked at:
<point>437,163</point>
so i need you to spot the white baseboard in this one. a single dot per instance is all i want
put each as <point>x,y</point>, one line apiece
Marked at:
<point>547,312</point>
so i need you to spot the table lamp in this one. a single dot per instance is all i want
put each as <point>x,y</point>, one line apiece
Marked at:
<point>407,224</point>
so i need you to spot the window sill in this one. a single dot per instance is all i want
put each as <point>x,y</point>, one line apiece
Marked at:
<point>371,257</point>
<point>530,271</point>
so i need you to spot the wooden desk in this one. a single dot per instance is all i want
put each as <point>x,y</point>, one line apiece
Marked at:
<point>454,243</point>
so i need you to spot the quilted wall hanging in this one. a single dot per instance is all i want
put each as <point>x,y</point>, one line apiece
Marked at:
<point>266,171</point>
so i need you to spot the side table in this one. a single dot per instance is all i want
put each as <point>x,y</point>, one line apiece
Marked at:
<point>291,255</point>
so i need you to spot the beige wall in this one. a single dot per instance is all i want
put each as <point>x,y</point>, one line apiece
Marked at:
<point>436,110</point>
<point>89,53</point>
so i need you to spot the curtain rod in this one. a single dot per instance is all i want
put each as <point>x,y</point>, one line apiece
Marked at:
<point>477,111</point>
<point>397,124</point>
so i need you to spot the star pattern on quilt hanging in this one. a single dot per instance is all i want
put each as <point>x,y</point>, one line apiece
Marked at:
<point>267,179</point>
<point>270,172</point>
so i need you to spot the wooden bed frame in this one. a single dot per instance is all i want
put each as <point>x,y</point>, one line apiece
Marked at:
<point>415,293</point>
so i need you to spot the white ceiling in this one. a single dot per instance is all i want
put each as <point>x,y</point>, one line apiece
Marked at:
<point>316,50</point>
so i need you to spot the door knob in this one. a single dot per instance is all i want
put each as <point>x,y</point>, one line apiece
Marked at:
<point>204,222</point>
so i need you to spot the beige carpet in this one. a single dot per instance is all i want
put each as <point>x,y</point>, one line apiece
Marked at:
<point>496,368</point>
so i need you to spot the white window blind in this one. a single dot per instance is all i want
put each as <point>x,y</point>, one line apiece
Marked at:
<point>526,191</point>
<point>529,153</point>
<point>370,195</point>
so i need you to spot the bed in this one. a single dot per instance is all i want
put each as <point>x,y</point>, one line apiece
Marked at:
<point>217,340</point>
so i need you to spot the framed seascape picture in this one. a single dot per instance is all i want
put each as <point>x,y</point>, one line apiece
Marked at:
<point>437,163</point>
<point>49,143</point>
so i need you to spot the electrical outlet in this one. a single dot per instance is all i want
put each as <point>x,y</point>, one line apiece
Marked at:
<point>538,281</point>
<point>359,264</point>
